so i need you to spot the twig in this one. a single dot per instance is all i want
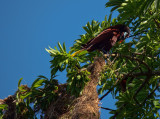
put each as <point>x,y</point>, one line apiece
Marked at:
<point>136,101</point>
<point>117,111</point>
<point>138,33</point>
<point>154,73</point>
<point>107,93</point>
<point>114,117</point>
<point>140,88</point>
<point>107,108</point>
<point>157,23</point>
<point>131,58</point>
<point>150,94</point>
<point>155,20</point>
<point>129,74</point>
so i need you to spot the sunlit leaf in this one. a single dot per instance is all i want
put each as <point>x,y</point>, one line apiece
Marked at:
<point>19,82</point>
<point>3,106</point>
<point>37,83</point>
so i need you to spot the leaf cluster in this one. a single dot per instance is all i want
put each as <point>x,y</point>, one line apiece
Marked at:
<point>75,67</point>
<point>31,100</point>
<point>137,62</point>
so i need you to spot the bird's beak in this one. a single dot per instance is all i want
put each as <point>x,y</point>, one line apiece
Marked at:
<point>123,37</point>
<point>126,35</point>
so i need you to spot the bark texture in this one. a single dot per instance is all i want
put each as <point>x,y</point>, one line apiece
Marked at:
<point>67,106</point>
<point>86,106</point>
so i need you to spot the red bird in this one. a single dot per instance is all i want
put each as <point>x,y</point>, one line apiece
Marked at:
<point>106,39</point>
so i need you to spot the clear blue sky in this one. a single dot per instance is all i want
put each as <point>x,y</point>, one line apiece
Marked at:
<point>27,27</point>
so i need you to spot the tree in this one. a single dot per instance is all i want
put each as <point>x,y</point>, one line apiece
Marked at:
<point>131,72</point>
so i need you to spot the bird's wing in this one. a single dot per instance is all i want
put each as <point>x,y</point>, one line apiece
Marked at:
<point>114,38</point>
<point>104,35</point>
<point>107,45</point>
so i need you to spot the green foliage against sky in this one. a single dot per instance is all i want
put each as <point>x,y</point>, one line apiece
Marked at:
<point>138,63</point>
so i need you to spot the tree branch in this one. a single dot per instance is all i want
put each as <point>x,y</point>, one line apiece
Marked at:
<point>107,92</point>
<point>131,58</point>
<point>155,20</point>
<point>130,74</point>
<point>140,88</point>
<point>107,108</point>
<point>150,94</point>
<point>114,117</point>
<point>138,33</point>
<point>155,73</point>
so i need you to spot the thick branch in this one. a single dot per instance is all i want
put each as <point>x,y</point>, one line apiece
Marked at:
<point>86,106</point>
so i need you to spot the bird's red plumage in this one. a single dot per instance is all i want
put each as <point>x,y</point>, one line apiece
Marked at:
<point>106,39</point>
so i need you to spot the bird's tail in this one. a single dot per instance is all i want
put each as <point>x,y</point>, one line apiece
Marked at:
<point>77,52</point>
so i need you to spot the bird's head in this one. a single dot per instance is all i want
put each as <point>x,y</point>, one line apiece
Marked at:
<point>124,32</point>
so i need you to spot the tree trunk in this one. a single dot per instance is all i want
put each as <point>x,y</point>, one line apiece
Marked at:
<point>83,107</point>
<point>87,104</point>
<point>68,106</point>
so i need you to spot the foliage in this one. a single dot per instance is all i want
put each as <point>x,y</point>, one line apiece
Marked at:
<point>140,65</point>
<point>64,61</point>
<point>137,62</point>
<point>38,97</point>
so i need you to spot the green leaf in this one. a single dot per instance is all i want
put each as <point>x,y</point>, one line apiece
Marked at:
<point>86,29</point>
<point>157,5</point>
<point>25,95</point>
<point>41,76</point>
<point>19,82</point>
<point>52,51</point>
<point>61,49</point>
<point>64,47</point>
<point>3,106</point>
<point>22,89</point>
<point>89,28</point>
<point>157,103</point>
<point>109,19</point>
<point>37,83</point>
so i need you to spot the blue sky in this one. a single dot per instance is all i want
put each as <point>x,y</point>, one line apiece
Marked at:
<point>27,27</point>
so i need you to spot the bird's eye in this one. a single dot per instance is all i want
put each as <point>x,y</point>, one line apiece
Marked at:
<point>125,34</point>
